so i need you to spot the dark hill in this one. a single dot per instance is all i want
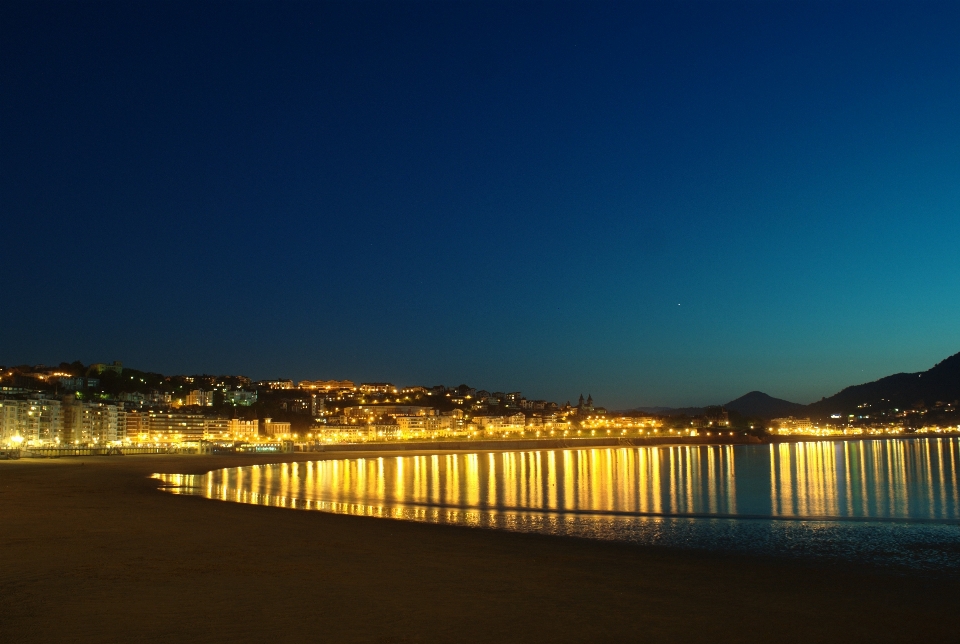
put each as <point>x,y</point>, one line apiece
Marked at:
<point>901,391</point>
<point>757,403</point>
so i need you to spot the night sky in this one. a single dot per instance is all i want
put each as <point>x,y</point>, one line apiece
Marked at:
<point>668,203</point>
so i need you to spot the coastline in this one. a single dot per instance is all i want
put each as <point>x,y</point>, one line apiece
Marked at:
<point>141,563</point>
<point>491,445</point>
<point>527,444</point>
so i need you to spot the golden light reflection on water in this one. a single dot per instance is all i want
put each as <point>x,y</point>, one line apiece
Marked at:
<point>884,479</point>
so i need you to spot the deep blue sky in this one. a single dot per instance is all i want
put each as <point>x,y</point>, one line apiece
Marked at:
<point>663,203</point>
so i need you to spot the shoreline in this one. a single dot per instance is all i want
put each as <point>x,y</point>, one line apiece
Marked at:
<point>527,444</point>
<point>92,550</point>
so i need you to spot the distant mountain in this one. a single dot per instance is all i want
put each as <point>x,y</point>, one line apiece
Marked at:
<point>757,403</point>
<point>940,383</point>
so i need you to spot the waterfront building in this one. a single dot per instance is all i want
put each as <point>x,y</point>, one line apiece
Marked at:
<point>356,433</point>
<point>271,428</point>
<point>173,426</point>
<point>86,422</point>
<point>9,412</point>
<point>408,425</point>
<point>215,427</point>
<point>242,428</point>
<point>790,425</point>
<point>132,425</point>
<point>489,423</point>
<point>718,417</point>
<point>35,420</point>
<point>430,426</point>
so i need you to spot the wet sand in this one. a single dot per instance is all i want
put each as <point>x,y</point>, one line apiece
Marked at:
<point>91,550</point>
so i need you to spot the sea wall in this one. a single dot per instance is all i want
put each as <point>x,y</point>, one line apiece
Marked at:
<point>541,443</point>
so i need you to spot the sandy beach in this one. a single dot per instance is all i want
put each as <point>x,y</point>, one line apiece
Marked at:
<point>92,551</point>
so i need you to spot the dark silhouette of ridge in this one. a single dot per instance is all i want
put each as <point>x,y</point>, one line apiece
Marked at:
<point>925,389</point>
<point>757,403</point>
<point>940,383</point>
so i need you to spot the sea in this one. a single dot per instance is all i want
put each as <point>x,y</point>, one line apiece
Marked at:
<point>887,502</point>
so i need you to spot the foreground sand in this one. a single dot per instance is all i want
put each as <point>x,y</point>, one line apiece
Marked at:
<point>90,550</point>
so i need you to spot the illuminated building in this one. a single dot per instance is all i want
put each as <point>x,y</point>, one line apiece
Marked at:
<point>355,433</point>
<point>78,384</point>
<point>174,426</point>
<point>240,397</point>
<point>242,428</point>
<point>36,420</point>
<point>430,426</point>
<point>132,424</point>
<point>274,384</point>
<point>271,428</point>
<point>135,397</point>
<point>790,424</point>
<point>85,422</point>
<point>318,405</point>
<point>489,423</point>
<point>199,398</point>
<point>364,411</point>
<point>410,424</point>
<point>159,398</point>
<point>327,385</point>
<point>116,367</point>
<point>377,388</point>
<point>9,410</point>
<point>216,427</point>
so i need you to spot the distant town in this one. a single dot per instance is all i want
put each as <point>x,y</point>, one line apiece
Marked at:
<point>106,405</point>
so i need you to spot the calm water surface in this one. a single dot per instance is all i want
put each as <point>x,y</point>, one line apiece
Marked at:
<point>893,502</point>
